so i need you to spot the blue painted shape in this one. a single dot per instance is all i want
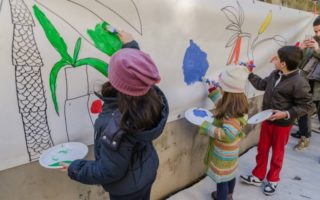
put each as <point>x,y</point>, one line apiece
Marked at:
<point>200,113</point>
<point>195,64</point>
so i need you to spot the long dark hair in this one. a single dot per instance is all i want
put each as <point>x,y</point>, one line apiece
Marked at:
<point>108,91</point>
<point>138,113</point>
<point>231,105</point>
<point>141,112</point>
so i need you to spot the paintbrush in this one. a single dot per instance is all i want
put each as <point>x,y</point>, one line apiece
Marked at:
<point>111,29</point>
<point>210,82</point>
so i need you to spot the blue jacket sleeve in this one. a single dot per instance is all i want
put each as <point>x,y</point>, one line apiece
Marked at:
<point>111,167</point>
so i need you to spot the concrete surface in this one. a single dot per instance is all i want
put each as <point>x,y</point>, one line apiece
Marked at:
<point>304,165</point>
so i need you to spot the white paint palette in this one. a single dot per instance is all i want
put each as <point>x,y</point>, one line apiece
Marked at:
<point>198,115</point>
<point>66,152</point>
<point>260,117</point>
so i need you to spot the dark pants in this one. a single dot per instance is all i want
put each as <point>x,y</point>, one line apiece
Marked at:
<point>304,124</point>
<point>143,194</point>
<point>225,188</point>
<point>318,109</point>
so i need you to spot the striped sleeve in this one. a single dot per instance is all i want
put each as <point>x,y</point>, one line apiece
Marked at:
<point>214,95</point>
<point>228,132</point>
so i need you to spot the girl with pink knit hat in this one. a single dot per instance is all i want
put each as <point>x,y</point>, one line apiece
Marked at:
<point>134,113</point>
<point>225,133</point>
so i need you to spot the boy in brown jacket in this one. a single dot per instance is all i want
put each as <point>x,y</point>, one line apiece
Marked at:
<point>288,94</point>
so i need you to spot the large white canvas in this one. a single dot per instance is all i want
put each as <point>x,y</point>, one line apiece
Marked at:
<point>163,28</point>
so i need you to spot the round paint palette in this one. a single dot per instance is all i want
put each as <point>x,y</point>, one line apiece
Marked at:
<point>260,117</point>
<point>198,115</point>
<point>66,153</point>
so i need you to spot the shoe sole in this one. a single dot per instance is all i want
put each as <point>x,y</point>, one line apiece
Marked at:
<point>251,183</point>
<point>299,150</point>
<point>268,194</point>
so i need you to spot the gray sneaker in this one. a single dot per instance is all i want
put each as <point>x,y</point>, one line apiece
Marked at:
<point>270,188</point>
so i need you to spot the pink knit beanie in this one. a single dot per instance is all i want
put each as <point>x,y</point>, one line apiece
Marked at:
<point>233,78</point>
<point>132,72</point>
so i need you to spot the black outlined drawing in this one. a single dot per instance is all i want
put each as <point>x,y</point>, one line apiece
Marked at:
<point>65,21</point>
<point>139,30</point>
<point>236,17</point>
<point>1,5</point>
<point>84,94</point>
<point>29,84</point>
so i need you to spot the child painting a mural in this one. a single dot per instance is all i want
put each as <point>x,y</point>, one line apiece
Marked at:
<point>230,116</point>
<point>288,94</point>
<point>134,113</point>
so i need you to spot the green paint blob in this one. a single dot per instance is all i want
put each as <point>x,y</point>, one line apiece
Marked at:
<point>54,159</point>
<point>64,151</point>
<point>57,164</point>
<point>105,40</point>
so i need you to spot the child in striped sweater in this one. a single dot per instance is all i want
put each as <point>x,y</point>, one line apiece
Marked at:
<point>225,133</point>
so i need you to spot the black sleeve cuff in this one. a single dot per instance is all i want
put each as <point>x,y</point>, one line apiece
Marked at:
<point>133,44</point>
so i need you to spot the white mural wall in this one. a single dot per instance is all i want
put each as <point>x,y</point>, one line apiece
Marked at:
<point>187,39</point>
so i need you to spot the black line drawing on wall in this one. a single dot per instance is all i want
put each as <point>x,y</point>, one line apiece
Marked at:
<point>1,5</point>
<point>65,21</point>
<point>82,96</point>
<point>236,17</point>
<point>29,84</point>
<point>139,29</point>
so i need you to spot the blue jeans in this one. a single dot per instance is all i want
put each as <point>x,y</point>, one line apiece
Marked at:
<point>225,188</point>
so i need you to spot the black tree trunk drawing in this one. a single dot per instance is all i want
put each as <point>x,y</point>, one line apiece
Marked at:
<point>29,85</point>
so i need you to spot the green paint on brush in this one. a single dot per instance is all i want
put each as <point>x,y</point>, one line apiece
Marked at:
<point>105,40</point>
<point>57,164</point>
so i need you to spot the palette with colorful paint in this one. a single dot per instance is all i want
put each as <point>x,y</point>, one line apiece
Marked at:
<point>198,115</point>
<point>66,153</point>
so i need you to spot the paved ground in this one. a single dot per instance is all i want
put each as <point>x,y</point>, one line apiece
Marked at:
<point>297,165</point>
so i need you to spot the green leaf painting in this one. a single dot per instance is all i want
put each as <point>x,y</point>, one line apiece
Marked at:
<point>99,65</point>
<point>104,40</point>
<point>52,34</point>
<point>109,44</point>
<point>76,50</point>
<point>53,82</point>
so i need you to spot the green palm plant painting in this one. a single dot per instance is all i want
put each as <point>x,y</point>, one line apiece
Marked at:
<point>105,41</point>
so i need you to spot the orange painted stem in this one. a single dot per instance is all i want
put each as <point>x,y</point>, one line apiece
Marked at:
<point>234,58</point>
<point>237,50</point>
